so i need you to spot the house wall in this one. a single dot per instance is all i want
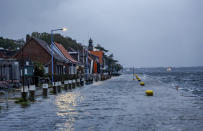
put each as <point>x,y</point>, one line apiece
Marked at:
<point>72,69</point>
<point>34,52</point>
<point>99,54</point>
<point>95,67</point>
<point>9,70</point>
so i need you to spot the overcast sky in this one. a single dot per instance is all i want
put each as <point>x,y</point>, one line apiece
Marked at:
<point>140,33</point>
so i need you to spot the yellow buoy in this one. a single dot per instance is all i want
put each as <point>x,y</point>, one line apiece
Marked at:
<point>149,92</point>
<point>139,79</point>
<point>142,83</point>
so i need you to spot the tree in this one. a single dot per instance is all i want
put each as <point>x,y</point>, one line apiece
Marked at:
<point>10,44</point>
<point>119,67</point>
<point>67,42</point>
<point>38,69</point>
<point>111,55</point>
<point>112,64</point>
<point>99,47</point>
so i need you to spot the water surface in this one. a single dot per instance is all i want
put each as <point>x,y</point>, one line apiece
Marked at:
<point>114,105</point>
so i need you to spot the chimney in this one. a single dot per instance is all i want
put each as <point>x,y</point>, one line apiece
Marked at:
<point>27,37</point>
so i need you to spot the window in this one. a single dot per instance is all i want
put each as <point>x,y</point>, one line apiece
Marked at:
<point>25,72</point>
<point>46,69</point>
<point>64,69</point>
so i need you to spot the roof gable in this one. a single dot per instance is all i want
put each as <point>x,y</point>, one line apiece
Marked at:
<point>65,53</point>
<point>48,49</point>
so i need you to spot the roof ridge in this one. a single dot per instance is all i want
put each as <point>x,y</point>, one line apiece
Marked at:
<point>65,52</point>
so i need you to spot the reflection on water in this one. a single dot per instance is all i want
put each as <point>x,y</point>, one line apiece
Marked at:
<point>66,110</point>
<point>113,105</point>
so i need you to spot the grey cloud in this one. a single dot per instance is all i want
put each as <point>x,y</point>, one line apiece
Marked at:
<point>138,32</point>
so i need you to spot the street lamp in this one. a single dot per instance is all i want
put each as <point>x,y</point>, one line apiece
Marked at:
<point>52,44</point>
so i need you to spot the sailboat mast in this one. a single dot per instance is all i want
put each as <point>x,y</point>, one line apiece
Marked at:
<point>133,73</point>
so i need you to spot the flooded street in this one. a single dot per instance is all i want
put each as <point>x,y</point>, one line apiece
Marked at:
<point>105,65</point>
<point>117,104</point>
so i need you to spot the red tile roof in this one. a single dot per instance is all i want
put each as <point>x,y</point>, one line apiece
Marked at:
<point>65,52</point>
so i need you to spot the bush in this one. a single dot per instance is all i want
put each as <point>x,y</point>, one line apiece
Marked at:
<point>38,69</point>
<point>22,102</point>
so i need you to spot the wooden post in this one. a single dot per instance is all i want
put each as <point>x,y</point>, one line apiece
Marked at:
<point>6,95</point>
<point>54,88</point>
<point>87,81</point>
<point>32,93</point>
<point>82,81</point>
<point>24,93</point>
<point>45,90</point>
<point>78,82</point>
<point>59,86</point>
<point>70,84</point>
<point>66,85</point>
<point>96,78</point>
<point>73,84</point>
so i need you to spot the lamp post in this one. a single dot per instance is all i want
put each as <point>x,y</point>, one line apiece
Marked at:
<point>52,58</point>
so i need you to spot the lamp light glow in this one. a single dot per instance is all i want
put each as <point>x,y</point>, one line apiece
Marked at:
<point>64,29</point>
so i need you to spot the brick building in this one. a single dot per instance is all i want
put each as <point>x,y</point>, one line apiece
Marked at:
<point>38,50</point>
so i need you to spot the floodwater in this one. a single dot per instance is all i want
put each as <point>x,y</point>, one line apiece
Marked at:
<point>118,104</point>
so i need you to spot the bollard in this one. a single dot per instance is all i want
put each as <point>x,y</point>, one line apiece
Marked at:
<point>45,90</point>
<point>92,80</point>
<point>32,93</point>
<point>66,85</point>
<point>73,84</point>
<point>6,94</point>
<point>24,93</point>
<point>82,82</point>
<point>70,84</point>
<point>86,82</point>
<point>56,84</point>
<point>99,77</point>
<point>96,79</point>
<point>78,82</point>
<point>54,88</point>
<point>59,86</point>
<point>102,78</point>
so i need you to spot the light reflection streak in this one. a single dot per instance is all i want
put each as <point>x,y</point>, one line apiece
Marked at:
<point>66,104</point>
